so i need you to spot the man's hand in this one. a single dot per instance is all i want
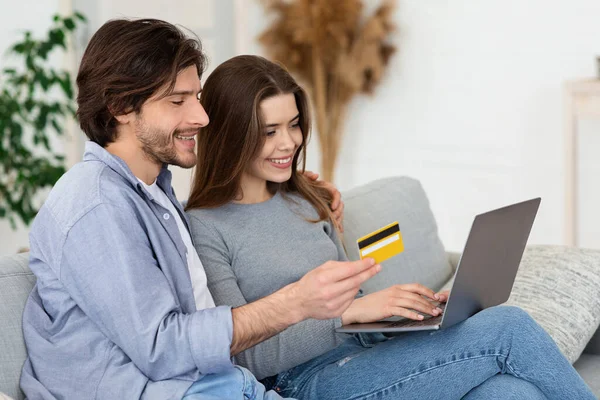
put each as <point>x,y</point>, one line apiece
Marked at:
<point>337,205</point>
<point>327,291</point>
<point>397,300</point>
<point>323,293</point>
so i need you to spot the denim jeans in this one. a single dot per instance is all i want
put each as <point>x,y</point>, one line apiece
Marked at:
<point>499,353</point>
<point>236,383</point>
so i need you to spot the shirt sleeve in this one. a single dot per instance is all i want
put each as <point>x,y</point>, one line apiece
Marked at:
<point>107,266</point>
<point>294,346</point>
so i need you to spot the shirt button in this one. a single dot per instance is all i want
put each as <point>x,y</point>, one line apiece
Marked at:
<point>166,216</point>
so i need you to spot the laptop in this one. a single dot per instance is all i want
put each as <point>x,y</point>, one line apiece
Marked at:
<point>485,273</point>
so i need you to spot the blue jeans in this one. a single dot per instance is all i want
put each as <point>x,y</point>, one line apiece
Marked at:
<point>499,353</point>
<point>236,383</point>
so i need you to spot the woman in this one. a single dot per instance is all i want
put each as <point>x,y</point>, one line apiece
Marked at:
<point>259,225</point>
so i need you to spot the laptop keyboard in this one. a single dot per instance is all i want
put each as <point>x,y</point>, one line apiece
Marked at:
<point>427,321</point>
<point>407,323</point>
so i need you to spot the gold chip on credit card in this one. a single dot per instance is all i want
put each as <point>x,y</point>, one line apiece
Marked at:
<point>382,244</point>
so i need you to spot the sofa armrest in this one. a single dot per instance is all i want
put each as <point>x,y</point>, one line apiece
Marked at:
<point>593,346</point>
<point>453,257</point>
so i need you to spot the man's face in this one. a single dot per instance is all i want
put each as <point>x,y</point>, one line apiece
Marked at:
<point>166,127</point>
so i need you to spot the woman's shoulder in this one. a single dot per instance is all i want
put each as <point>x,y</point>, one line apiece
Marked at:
<point>203,212</point>
<point>210,224</point>
<point>206,216</point>
<point>299,204</point>
<point>296,198</point>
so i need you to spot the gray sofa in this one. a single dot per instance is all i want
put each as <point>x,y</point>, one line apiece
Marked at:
<point>367,206</point>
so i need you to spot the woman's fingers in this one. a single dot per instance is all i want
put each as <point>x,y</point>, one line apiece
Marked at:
<point>406,313</point>
<point>444,294</point>
<point>420,289</point>
<point>411,297</point>
<point>418,303</point>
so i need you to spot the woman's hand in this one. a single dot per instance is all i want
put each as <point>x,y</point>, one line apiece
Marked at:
<point>337,205</point>
<point>444,294</point>
<point>398,300</point>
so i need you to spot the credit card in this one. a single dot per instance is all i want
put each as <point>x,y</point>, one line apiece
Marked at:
<point>382,244</point>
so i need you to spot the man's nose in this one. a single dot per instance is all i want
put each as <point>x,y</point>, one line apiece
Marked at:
<point>198,115</point>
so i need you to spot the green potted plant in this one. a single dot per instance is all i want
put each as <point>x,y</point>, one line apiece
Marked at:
<point>36,101</point>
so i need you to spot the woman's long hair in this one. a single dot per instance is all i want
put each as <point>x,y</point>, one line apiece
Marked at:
<point>235,135</point>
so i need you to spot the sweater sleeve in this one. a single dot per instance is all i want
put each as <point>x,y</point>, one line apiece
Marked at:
<point>335,238</point>
<point>294,346</point>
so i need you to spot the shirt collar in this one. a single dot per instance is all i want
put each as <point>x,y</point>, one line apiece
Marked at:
<point>95,152</point>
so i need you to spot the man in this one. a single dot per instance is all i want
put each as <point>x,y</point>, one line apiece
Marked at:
<point>121,309</point>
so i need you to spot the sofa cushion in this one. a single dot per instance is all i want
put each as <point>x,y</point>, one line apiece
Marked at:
<point>381,202</point>
<point>560,288</point>
<point>16,281</point>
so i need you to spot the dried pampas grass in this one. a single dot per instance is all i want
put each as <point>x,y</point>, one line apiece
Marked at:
<point>336,54</point>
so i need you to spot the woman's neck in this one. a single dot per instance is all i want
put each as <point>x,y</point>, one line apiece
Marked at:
<point>253,191</point>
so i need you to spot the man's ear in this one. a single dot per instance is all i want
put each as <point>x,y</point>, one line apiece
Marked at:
<point>125,119</point>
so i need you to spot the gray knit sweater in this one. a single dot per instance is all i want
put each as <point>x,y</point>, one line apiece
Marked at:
<point>252,250</point>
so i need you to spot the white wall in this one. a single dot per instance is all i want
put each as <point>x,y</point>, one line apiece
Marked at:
<point>472,106</point>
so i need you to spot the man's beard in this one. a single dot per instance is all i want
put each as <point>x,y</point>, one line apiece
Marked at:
<point>159,146</point>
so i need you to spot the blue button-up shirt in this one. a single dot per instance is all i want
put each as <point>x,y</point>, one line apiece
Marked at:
<point>112,315</point>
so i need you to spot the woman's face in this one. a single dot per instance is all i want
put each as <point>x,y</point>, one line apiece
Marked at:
<point>283,137</point>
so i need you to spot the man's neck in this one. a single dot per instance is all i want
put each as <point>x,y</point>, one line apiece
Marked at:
<point>129,151</point>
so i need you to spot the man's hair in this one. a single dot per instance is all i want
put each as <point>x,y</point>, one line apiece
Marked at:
<point>231,96</point>
<point>126,63</point>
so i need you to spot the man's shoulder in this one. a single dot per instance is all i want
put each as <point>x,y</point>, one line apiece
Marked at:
<point>82,188</point>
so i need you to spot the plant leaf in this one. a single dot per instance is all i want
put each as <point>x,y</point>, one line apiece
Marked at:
<point>28,120</point>
<point>69,23</point>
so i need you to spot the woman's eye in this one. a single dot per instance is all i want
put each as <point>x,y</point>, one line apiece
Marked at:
<point>296,125</point>
<point>177,103</point>
<point>270,133</point>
